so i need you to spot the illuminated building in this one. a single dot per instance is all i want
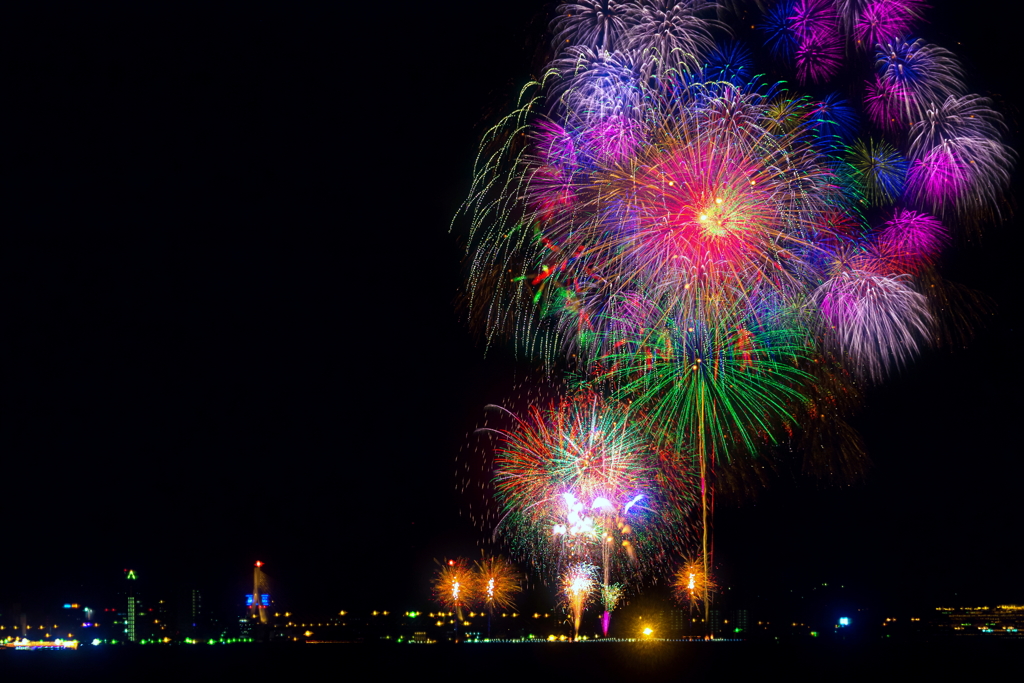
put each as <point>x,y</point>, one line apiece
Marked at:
<point>189,611</point>
<point>741,621</point>
<point>132,607</point>
<point>715,621</point>
<point>1006,621</point>
<point>729,624</point>
<point>685,622</point>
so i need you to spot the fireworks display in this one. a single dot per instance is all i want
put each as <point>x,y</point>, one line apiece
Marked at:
<point>711,262</point>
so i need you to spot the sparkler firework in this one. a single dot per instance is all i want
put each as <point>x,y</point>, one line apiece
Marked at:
<point>578,587</point>
<point>497,581</point>
<point>713,260</point>
<point>454,587</point>
<point>692,583</point>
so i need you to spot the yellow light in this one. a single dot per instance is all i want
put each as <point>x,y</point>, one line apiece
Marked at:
<point>648,631</point>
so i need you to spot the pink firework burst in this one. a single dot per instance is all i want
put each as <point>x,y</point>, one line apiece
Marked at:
<point>819,49</point>
<point>882,21</point>
<point>911,240</point>
<point>886,105</point>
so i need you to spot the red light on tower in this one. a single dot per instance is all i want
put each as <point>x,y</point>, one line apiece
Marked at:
<point>258,563</point>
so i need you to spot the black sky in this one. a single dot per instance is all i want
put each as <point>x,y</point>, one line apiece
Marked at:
<point>229,331</point>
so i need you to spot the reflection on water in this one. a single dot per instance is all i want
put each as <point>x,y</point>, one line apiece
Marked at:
<point>593,660</point>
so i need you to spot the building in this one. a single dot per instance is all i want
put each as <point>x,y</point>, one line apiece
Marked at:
<point>132,607</point>
<point>189,613</point>
<point>1004,621</point>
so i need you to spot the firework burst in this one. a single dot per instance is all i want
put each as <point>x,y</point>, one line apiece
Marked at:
<point>910,241</point>
<point>878,322</point>
<point>598,24</point>
<point>880,171</point>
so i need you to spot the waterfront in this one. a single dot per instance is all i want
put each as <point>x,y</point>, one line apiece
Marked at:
<point>648,661</point>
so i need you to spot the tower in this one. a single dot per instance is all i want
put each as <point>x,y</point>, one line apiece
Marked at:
<point>132,607</point>
<point>259,601</point>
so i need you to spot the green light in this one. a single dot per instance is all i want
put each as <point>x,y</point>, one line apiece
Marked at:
<point>131,574</point>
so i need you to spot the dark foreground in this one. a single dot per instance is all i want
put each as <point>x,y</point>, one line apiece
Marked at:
<point>650,661</point>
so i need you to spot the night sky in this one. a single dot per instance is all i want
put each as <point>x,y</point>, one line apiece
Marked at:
<point>230,332</point>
